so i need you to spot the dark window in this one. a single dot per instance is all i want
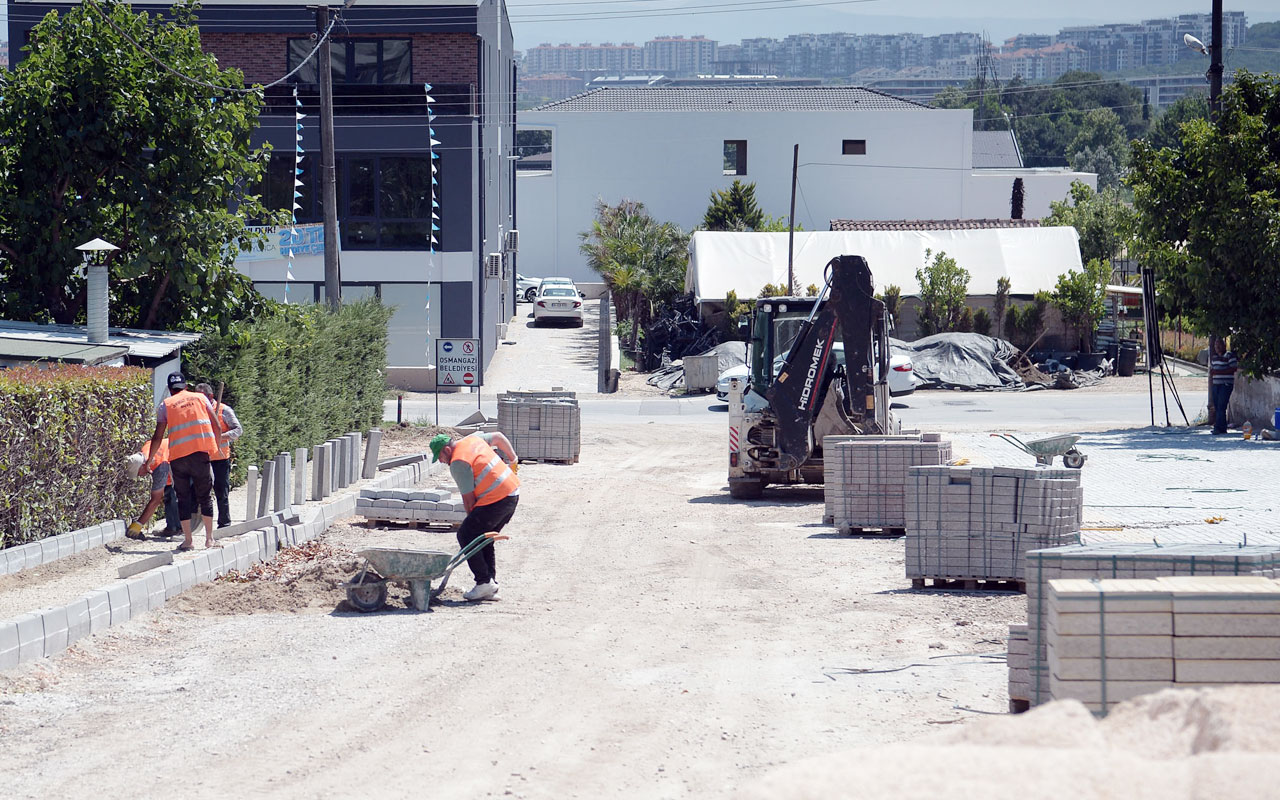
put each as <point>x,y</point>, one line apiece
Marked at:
<point>854,147</point>
<point>735,156</point>
<point>384,202</point>
<point>357,61</point>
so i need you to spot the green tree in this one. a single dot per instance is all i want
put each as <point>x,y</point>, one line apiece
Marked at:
<point>1104,221</point>
<point>1079,297</point>
<point>97,140</point>
<point>1017,199</point>
<point>982,322</point>
<point>1166,130</point>
<point>1049,121</point>
<point>733,209</point>
<point>892,298</point>
<point>944,286</point>
<point>1100,128</point>
<point>1209,221</point>
<point>1003,285</point>
<point>641,260</point>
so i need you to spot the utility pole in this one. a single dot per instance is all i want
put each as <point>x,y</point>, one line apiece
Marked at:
<point>328,178</point>
<point>791,224</point>
<point>1215,111</point>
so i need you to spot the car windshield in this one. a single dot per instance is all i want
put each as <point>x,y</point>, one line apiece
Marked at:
<point>554,292</point>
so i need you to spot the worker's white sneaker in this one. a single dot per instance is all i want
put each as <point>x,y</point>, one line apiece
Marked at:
<point>482,591</point>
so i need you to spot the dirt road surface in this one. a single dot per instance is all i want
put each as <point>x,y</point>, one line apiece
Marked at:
<point>653,639</point>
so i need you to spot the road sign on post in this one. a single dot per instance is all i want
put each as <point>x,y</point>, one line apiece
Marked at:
<point>458,363</point>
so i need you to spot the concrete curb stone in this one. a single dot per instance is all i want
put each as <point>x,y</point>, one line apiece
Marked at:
<point>8,645</point>
<point>30,637</point>
<point>118,601</point>
<point>99,603</point>
<point>54,621</point>
<point>78,624</point>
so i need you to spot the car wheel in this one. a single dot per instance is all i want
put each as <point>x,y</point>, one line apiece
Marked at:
<point>529,294</point>
<point>580,323</point>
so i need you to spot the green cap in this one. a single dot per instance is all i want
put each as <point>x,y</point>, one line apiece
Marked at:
<point>437,444</point>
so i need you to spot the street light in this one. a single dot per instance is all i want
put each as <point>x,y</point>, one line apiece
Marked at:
<point>95,261</point>
<point>1195,44</point>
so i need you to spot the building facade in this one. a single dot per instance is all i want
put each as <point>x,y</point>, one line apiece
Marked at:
<point>383,58</point>
<point>676,55</point>
<point>863,155</point>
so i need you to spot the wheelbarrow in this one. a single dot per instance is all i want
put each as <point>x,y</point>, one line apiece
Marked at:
<point>1045,450</point>
<point>418,568</point>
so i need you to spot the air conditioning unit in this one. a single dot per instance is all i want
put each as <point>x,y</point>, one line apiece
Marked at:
<point>493,266</point>
<point>513,241</point>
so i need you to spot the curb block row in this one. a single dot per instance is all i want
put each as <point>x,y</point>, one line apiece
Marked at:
<point>52,548</point>
<point>49,631</point>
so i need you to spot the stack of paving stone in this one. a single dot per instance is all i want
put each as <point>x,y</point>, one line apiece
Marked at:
<point>425,506</point>
<point>542,426</point>
<point>1111,640</point>
<point>1019,660</point>
<point>1114,560</point>
<point>865,478</point>
<point>977,523</point>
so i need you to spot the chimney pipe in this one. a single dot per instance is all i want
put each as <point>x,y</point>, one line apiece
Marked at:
<point>98,303</point>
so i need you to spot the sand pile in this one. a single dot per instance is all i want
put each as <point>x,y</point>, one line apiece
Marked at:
<point>1178,744</point>
<point>302,578</point>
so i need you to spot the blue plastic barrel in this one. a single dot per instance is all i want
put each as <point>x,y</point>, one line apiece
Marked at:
<point>1275,421</point>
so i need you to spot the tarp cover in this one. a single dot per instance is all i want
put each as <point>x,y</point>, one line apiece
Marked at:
<point>729,354</point>
<point>1031,258</point>
<point>961,361</point>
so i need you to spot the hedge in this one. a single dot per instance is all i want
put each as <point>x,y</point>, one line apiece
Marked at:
<point>298,376</point>
<point>65,433</point>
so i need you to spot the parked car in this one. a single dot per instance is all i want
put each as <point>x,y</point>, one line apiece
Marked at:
<point>902,380</point>
<point>561,282</point>
<point>526,288</point>
<point>557,301</point>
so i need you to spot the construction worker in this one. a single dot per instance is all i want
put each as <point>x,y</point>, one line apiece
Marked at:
<point>484,466</point>
<point>221,463</point>
<point>161,490</point>
<point>188,418</point>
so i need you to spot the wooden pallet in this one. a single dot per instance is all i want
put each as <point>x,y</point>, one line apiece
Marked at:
<point>524,460</point>
<point>878,533</point>
<point>971,585</point>
<point>376,522</point>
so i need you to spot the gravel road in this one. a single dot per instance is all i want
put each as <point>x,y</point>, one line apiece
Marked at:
<point>653,639</point>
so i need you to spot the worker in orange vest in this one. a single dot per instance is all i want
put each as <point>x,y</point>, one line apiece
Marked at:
<point>161,479</point>
<point>484,465</point>
<point>189,419</point>
<point>221,463</point>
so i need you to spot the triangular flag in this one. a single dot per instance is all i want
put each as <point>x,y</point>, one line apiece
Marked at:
<point>434,204</point>
<point>431,131</point>
<point>435,227</point>
<point>435,182</point>
<point>289,276</point>
<point>297,171</point>
<point>294,231</point>
<point>427,86</point>
<point>434,143</point>
<point>430,99</point>
<point>297,182</point>
<point>299,126</point>
<point>297,194</point>
<point>435,155</point>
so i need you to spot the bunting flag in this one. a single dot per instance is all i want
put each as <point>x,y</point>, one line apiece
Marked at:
<point>432,240</point>
<point>298,154</point>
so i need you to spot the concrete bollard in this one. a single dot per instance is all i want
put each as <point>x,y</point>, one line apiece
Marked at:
<point>317,474</point>
<point>371,454</point>
<point>300,476</point>
<point>282,487</point>
<point>251,494</point>
<point>353,453</point>
<point>264,497</point>
<point>326,485</point>
<point>342,463</point>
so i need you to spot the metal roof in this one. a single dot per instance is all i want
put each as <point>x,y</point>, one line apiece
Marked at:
<point>139,343</point>
<point>732,98</point>
<point>19,349</point>
<point>995,150</point>
<point>929,224</point>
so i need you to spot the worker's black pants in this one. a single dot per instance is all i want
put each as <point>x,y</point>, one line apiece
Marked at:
<point>222,490</point>
<point>480,521</point>
<point>193,481</point>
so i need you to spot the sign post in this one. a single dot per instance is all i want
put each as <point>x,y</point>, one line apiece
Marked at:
<point>457,365</point>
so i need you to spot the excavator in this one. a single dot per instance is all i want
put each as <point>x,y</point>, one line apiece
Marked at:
<point>819,367</point>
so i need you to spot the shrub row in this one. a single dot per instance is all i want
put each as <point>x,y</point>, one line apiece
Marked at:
<point>65,433</point>
<point>297,376</point>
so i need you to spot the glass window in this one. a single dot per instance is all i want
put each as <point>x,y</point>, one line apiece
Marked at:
<point>404,235</point>
<point>359,235</point>
<point>338,61</point>
<point>405,188</point>
<point>364,62</point>
<point>298,50</point>
<point>735,157</point>
<point>360,174</point>
<point>397,66</point>
<point>854,147</point>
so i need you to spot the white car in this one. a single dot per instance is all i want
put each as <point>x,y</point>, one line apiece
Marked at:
<point>560,282</point>
<point>557,301</point>
<point>527,288</point>
<point>901,376</point>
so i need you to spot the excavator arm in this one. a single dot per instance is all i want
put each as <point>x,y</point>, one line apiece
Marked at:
<point>805,380</point>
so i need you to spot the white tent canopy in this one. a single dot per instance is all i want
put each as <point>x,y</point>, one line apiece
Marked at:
<point>1031,258</point>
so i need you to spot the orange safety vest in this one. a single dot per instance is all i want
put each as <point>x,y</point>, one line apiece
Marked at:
<point>162,456</point>
<point>190,429</point>
<point>494,479</point>
<point>224,448</point>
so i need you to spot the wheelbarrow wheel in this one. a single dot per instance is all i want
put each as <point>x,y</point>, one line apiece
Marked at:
<point>1073,459</point>
<point>369,595</point>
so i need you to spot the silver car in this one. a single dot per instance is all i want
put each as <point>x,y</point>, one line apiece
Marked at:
<point>527,288</point>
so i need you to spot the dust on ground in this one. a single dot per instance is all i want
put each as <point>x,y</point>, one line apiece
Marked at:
<point>307,577</point>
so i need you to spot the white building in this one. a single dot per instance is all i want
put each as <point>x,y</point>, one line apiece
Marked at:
<point>863,155</point>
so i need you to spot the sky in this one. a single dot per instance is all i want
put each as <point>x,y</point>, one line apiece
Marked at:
<point>729,21</point>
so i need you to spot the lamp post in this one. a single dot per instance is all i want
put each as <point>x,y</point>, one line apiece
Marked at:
<point>95,254</point>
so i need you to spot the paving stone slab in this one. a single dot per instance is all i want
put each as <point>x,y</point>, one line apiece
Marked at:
<point>118,595</point>
<point>30,637</point>
<point>55,629</point>
<point>99,604</point>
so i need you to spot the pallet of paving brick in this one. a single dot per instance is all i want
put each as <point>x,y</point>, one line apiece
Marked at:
<point>865,479</point>
<point>1018,657</point>
<point>422,507</point>
<point>542,426</point>
<point>1111,639</point>
<point>1113,560</point>
<point>974,525</point>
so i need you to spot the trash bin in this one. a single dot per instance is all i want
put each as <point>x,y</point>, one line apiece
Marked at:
<point>1127,364</point>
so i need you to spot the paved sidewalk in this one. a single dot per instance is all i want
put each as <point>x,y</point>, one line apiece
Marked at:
<point>1164,483</point>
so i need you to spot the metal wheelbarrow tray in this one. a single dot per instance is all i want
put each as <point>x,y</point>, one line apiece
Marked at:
<point>417,568</point>
<point>1045,450</point>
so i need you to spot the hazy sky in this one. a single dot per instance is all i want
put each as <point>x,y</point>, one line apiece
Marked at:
<point>728,21</point>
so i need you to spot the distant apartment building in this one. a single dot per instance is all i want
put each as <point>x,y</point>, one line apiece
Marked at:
<point>1027,41</point>
<point>676,55</point>
<point>1041,63</point>
<point>1150,43</point>
<point>1162,91</point>
<point>840,55</point>
<point>614,59</point>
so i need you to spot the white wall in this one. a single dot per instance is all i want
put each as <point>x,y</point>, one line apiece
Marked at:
<point>918,166</point>
<point>990,190</point>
